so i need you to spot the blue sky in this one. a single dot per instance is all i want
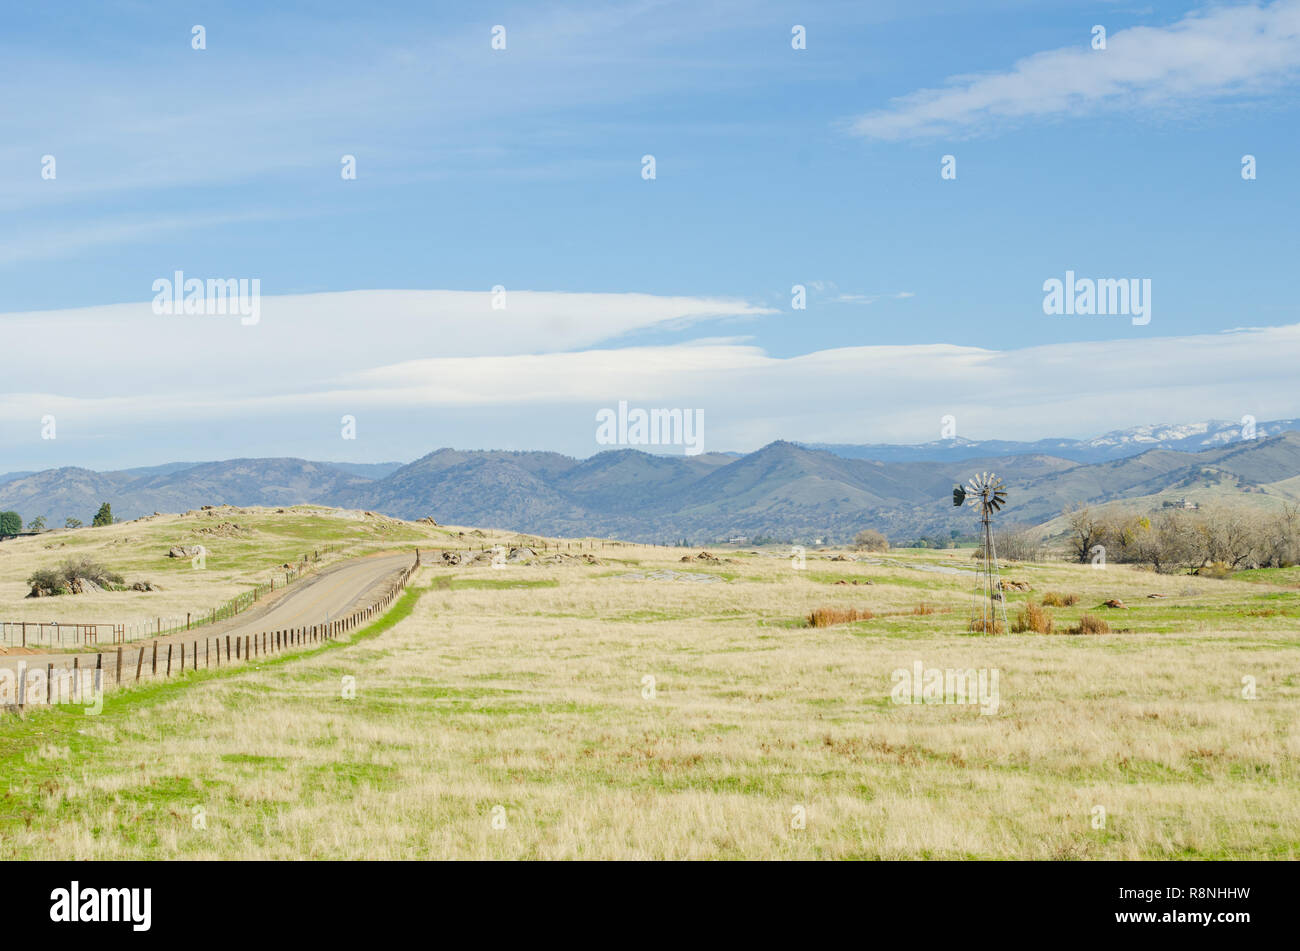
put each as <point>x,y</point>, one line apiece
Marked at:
<point>522,168</point>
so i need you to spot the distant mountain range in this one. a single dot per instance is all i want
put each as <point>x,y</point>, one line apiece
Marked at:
<point>783,491</point>
<point>1186,437</point>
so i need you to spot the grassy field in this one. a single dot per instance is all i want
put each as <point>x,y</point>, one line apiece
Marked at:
<point>244,546</point>
<point>647,708</point>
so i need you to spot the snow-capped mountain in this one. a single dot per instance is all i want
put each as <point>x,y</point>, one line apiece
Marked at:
<point>1117,444</point>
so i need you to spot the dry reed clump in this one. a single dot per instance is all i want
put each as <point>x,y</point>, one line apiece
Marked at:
<point>827,617</point>
<point>1060,600</point>
<point>1033,617</point>
<point>986,626</point>
<point>1090,624</point>
<point>923,608</point>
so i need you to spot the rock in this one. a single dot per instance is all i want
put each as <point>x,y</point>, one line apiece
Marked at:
<point>224,529</point>
<point>518,555</point>
<point>1114,603</point>
<point>183,551</point>
<point>1157,595</point>
<point>206,508</point>
<point>1005,585</point>
<point>427,520</point>
<point>451,558</point>
<point>145,586</point>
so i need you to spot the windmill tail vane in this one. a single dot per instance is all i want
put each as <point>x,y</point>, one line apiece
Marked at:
<point>989,493</point>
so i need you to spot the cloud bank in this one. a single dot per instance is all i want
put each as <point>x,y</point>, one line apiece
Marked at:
<point>1221,52</point>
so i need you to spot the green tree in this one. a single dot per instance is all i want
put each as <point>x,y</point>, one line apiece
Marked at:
<point>37,524</point>
<point>104,516</point>
<point>72,523</point>
<point>11,523</point>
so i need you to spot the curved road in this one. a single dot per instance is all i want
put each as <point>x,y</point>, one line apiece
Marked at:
<point>326,595</point>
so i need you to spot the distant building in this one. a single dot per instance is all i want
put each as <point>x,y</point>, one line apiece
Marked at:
<point>1179,504</point>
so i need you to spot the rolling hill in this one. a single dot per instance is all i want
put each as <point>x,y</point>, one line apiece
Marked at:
<point>784,491</point>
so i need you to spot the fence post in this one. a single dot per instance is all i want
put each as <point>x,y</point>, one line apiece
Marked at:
<point>169,658</point>
<point>76,679</point>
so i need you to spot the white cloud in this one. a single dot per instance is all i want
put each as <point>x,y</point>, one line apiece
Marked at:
<point>1223,51</point>
<point>441,355</point>
<point>304,340</point>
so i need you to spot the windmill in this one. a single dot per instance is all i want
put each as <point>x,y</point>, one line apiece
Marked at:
<point>988,492</point>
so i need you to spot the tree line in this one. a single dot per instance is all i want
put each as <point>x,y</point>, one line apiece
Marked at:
<point>11,523</point>
<point>1219,538</point>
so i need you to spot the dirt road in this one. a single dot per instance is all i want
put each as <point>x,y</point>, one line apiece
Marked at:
<point>315,600</point>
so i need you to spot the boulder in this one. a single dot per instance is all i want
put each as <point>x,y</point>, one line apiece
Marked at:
<point>1114,603</point>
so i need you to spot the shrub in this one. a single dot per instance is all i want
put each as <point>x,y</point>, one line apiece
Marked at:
<point>871,540</point>
<point>1060,600</point>
<point>59,580</point>
<point>1217,570</point>
<point>923,608</point>
<point>11,523</point>
<point>1090,624</point>
<point>826,617</point>
<point>1033,617</point>
<point>104,516</point>
<point>47,579</point>
<point>986,626</point>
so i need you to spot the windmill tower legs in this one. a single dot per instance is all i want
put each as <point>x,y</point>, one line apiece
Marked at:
<point>989,613</point>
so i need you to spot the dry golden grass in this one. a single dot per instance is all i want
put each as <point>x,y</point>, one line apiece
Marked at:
<point>1090,624</point>
<point>828,617</point>
<point>594,715</point>
<point>1055,600</point>
<point>1033,617</point>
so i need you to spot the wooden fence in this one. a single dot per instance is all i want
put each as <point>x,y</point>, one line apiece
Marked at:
<point>69,682</point>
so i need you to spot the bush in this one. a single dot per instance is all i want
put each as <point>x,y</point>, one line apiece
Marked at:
<point>870,540</point>
<point>1060,600</point>
<point>60,580</point>
<point>985,626</point>
<point>1033,617</point>
<point>11,523</point>
<point>923,608</point>
<point>49,580</point>
<point>826,617</point>
<point>1090,624</point>
<point>104,516</point>
<point>1216,570</point>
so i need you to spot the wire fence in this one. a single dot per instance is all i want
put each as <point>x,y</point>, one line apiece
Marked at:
<point>92,633</point>
<point>73,682</point>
